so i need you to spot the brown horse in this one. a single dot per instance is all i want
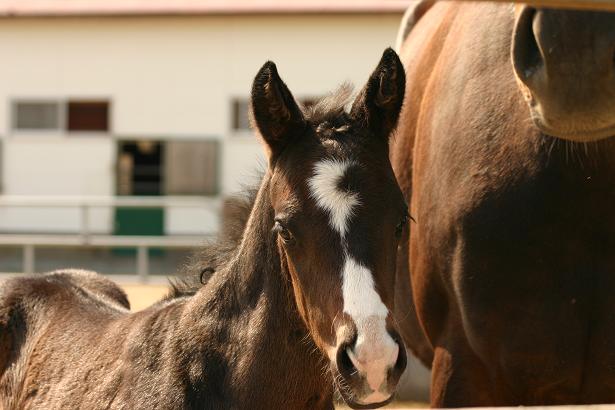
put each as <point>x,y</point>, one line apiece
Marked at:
<point>502,153</point>
<point>301,307</point>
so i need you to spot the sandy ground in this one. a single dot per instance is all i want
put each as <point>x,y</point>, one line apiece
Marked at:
<point>142,296</point>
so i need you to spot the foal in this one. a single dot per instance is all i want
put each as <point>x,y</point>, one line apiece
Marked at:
<point>302,307</point>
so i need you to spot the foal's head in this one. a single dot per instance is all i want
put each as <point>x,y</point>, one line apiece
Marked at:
<point>338,217</point>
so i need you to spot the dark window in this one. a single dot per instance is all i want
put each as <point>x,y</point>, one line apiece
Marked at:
<point>140,168</point>
<point>36,115</point>
<point>88,116</point>
<point>241,112</point>
<point>241,120</point>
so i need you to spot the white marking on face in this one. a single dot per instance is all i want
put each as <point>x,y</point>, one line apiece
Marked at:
<point>360,297</point>
<point>375,351</point>
<point>325,190</point>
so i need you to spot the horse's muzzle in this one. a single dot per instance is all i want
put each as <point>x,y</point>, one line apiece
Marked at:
<point>369,368</point>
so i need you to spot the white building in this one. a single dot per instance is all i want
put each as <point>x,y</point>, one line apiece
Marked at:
<point>109,97</point>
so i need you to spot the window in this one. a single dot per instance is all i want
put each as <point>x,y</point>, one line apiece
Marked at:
<point>88,116</point>
<point>140,167</point>
<point>241,112</point>
<point>36,115</point>
<point>70,116</point>
<point>148,167</point>
<point>241,117</point>
<point>191,167</point>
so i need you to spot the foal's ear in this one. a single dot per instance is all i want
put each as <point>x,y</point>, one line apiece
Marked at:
<point>377,106</point>
<point>274,109</point>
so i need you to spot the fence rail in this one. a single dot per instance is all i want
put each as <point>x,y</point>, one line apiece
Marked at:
<point>29,243</point>
<point>84,238</point>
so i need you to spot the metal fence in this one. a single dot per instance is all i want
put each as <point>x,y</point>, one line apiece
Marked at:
<point>85,238</point>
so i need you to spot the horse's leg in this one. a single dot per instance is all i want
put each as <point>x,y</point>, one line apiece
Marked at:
<point>459,379</point>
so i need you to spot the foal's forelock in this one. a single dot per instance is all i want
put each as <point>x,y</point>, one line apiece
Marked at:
<point>360,299</point>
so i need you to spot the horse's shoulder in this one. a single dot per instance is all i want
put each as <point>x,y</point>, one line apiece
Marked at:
<point>413,14</point>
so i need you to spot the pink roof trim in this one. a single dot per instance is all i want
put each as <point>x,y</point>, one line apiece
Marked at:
<point>31,8</point>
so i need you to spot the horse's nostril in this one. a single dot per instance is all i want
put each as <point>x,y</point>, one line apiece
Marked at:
<point>402,359</point>
<point>527,57</point>
<point>344,363</point>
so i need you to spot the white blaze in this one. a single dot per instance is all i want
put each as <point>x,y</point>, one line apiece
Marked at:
<point>324,188</point>
<point>361,300</point>
<point>375,351</point>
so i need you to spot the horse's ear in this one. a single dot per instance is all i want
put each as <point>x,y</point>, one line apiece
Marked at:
<point>275,112</point>
<point>378,105</point>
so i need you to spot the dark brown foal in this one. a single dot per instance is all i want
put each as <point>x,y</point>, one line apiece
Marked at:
<point>303,304</point>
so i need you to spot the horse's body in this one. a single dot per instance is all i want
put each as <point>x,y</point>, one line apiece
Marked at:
<point>300,307</point>
<point>512,258</point>
<point>72,348</point>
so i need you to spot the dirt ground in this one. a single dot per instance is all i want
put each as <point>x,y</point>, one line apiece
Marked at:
<point>142,296</point>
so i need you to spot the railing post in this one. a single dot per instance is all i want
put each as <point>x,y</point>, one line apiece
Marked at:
<point>28,258</point>
<point>142,263</point>
<point>85,223</point>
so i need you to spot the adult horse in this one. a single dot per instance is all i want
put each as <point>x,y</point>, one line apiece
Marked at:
<point>502,150</point>
<point>302,306</point>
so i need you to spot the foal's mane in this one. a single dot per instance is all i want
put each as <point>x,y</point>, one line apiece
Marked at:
<point>329,111</point>
<point>214,255</point>
<point>331,108</point>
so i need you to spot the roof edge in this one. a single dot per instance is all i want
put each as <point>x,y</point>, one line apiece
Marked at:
<point>64,8</point>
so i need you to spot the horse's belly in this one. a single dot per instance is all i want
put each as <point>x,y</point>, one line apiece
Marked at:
<point>534,288</point>
<point>546,348</point>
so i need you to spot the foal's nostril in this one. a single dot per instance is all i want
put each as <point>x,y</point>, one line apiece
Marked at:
<point>527,57</point>
<point>402,359</point>
<point>344,363</point>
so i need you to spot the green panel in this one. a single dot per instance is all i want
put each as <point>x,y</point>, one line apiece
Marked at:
<point>138,221</point>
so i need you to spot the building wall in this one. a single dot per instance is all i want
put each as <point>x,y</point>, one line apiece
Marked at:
<point>166,77</point>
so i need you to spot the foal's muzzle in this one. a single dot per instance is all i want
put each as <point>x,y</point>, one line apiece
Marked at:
<point>369,368</point>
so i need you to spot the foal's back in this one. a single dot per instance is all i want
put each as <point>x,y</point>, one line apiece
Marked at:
<point>66,337</point>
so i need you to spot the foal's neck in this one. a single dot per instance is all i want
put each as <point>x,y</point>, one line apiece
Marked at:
<point>256,270</point>
<point>252,300</point>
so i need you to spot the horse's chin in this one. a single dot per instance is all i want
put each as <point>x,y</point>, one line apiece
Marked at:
<point>572,134</point>
<point>580,136</point>
<point>350,400</point>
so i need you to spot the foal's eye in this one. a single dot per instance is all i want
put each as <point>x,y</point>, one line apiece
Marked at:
<point>282,231</point>
<point>400,226</point>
